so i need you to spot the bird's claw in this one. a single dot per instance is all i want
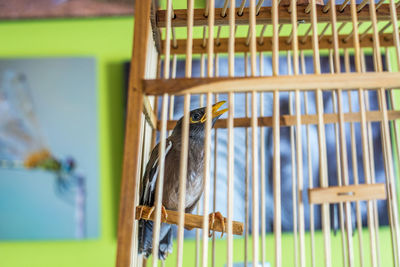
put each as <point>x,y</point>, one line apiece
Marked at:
<point>163,212</point>
<point>150,212</point>
<point>211,220</point>
<point>141,212</point>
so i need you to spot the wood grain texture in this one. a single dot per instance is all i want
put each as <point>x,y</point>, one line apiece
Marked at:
<point>386,40</point>
<point>337,194</point>
<point>301,2</point>
<point>25,9</point>
<point>149,113</point>
<point>290,120</point>
<point>191,221</point>
<point>345,81</point>
<point>265,16</point>
<point>131,163</point>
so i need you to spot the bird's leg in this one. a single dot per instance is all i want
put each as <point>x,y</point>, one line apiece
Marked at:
<point>211,220</point>
<point>163,212</point>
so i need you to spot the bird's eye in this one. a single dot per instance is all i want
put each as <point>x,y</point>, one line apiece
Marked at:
<point>196,117</point>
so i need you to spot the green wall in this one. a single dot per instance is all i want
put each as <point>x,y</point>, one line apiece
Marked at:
<point>109,40</point>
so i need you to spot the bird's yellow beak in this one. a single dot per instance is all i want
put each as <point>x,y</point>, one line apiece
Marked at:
<point>214,110</point>
<point>215,107</point>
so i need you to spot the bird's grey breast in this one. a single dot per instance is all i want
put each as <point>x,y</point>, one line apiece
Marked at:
<point>194,181</point>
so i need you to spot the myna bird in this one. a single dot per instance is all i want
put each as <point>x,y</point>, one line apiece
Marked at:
<point>194,182</point>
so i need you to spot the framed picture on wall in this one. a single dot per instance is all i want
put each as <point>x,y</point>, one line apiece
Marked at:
<point>49,147</point>
<point>25,9</point>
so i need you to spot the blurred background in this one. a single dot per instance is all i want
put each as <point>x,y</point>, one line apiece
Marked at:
<point>70,55</point>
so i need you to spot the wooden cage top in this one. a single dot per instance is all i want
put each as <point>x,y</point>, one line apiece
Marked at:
<point>264,18</point>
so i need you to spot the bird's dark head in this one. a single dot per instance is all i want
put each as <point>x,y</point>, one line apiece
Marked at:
<point>198,118</point>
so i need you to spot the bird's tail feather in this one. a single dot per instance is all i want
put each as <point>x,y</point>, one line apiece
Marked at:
<point>165,246</point>
<point>146,239</point>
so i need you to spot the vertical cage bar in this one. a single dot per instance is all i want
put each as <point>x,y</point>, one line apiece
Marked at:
<point>207,141</point>
<point>335,68</point>
<point>299,149</point>
<point>185,138</point>
<point>172,97</point>
<point>355,165</point>
<point>276,139</point>
<point>254,130</point>
<point>374,23</point>
<point>367,174</point>
<point>247,170</point>
<point>339,167</point>
<point>155,103</point>
<point>277,180</point>
<point>133,130</point>
<point>356,182</point>
<point>230,178</point>
<point>189,41</point>
<point>371,164</point>
<point>252,26</point>
<point>202,74</point>
<point>356,39</point>
<point>215,163</point>
<point>231,150</point>
<point>345,176</point>
<point>255,188</point>
<point>210,40</point>
<point>321,137</point>
<point>262,168</point>
<point>323,177</point>
<point>136,259</point>
<point>335,39</point>
<point>309,165</point>
<point>173,71</point>
<point>167,42</point>
<point>293,164</point>
<point>182,177</point>
<point>160,179</point>
<point>299,157</point>
<point>207,156</point>
<point>202,65</point>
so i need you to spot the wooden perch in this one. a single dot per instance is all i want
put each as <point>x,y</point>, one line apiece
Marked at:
<point>191,221</point>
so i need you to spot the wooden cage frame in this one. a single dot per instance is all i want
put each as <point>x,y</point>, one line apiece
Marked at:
<point>143,84</point>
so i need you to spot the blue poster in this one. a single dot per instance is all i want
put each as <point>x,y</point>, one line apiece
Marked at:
<point>49,164</point>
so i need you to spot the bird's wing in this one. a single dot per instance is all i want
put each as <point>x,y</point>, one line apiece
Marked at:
<point>151,175</point>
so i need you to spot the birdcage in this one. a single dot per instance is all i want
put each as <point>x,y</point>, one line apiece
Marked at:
<point>320,78</point>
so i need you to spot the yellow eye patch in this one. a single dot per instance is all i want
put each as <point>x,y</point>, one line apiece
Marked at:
<point>203,119</point>
<point>192,121</point>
